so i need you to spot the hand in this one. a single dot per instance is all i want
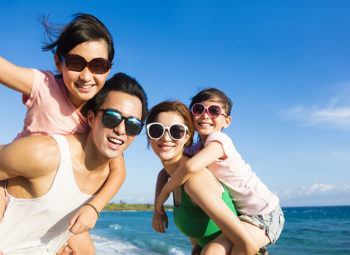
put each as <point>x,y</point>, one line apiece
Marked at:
<point>160,221</point>
<point>159,206</point>
<point>65,250</point>
<point>84,220</point>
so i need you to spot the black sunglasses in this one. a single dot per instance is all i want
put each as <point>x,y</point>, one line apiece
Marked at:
<point>77,63</point>
<point>156,130</point>
<point>111,118</point>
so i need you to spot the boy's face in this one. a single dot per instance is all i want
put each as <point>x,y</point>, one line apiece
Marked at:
<point>205,124</point>
<point>111,142</point>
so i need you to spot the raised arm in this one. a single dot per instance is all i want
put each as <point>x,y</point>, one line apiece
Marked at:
<point>203,158</point>
<point>15,77</point>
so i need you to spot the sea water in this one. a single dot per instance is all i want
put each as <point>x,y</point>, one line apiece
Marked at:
<point>308,230</point>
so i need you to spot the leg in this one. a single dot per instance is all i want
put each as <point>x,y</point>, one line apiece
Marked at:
<point>82,244</point>
<point>219,246</point>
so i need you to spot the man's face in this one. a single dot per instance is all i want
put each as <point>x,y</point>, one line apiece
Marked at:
<point>111,142</point>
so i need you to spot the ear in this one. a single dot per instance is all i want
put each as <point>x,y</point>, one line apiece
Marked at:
<point>90,118</point>
<point>58,63</point>
<point>227,122</point>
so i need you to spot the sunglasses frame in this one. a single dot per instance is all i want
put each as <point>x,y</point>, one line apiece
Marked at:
<point>206,109</point>
<point>88,64</point>
<point>165,129</point>
<point>126,121</point>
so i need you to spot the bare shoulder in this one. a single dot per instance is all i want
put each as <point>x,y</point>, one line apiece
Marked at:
<point>31,156</point>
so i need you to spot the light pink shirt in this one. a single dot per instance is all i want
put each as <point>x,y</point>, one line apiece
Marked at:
<point>49,110</point>
<point>250,195</point>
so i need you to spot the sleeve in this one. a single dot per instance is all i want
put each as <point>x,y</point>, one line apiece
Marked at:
<point>37,89</point>
<point>224,140</point>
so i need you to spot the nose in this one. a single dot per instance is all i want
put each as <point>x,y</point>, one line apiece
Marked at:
<point>85,75</point>
<point>205,114</point>
<point>166,136</point>
<point>120,129</point>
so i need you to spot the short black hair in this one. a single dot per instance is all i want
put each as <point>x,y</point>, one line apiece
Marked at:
<point>123,83</point>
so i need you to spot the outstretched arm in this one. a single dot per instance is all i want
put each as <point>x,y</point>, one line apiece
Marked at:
<point>15,77</point>
<point>85,219</point>
<point>203,158</point>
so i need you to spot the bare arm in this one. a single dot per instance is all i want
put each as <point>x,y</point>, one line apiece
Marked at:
<point>28,157</point>
<point>209,199</point>
<point>15,77</point>
<point>203,158</point>
<point>160,219</point>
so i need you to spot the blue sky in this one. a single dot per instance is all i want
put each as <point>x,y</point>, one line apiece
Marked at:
<point>285,64</point>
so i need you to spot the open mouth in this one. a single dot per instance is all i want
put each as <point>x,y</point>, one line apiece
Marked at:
<point>115,142</point>
<point>84,86</point>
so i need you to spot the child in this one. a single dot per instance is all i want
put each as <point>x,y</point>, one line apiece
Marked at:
<point>83,55</point>
<point>258,207</point>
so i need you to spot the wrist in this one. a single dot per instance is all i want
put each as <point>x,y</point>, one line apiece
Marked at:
<point>94,208</point>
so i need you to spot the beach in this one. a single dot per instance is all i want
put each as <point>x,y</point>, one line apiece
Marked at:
<point>308,230</point>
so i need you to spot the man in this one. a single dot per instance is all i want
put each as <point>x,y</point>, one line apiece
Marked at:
<point>51,177</point>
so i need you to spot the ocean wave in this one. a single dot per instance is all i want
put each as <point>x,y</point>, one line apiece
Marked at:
<point>115,226</point>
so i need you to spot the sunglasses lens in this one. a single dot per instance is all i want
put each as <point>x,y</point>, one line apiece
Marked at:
<point>133,126</point>
<point>214,110</point>
<point>155,131</point>
<point>111,119</point>
<point>75,63</point>
<point>177,131</point>
<point>197,109</point>
<point>99,65</point>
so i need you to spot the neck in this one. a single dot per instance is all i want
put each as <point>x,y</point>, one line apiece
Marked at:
<point>90,156</point>
<point>172,164</point>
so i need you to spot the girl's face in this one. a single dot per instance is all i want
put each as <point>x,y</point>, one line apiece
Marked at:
<point>83,85</point>
<point>205,124</point>
<point>166,148</point>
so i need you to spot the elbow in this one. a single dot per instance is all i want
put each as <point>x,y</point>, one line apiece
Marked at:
<point>190,168</point>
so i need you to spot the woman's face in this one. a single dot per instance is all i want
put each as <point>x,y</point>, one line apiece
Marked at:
<point>166,148</point>
<point>83,85</point>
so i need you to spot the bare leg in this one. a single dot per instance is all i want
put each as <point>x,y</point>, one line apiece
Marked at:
<point>219,246</point>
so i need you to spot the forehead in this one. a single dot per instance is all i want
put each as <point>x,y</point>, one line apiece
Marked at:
<point>91,49</point>
<point>169,118</point>
<point>212,101</point>
<point>127,104</point>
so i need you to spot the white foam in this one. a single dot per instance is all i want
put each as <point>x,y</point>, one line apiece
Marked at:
<point>115,226</point>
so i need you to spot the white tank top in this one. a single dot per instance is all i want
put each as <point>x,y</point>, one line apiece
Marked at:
<point>40,225</point>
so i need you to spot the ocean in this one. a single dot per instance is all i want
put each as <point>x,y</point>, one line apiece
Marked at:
<point>308,230</point>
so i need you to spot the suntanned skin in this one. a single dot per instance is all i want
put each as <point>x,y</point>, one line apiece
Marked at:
<point>30,163</point>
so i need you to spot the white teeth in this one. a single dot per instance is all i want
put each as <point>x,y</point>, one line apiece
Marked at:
<point>86,86</point>
<point>205,124</point>
<point>115,141</point>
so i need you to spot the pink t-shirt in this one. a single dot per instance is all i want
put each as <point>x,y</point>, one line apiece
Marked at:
<point>250,195</point>
<point>49,110</point>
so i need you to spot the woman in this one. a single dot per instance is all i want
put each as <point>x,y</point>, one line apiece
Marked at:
<point>205,215</point>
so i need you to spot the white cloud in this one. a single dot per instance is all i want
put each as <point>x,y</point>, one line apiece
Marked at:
<point>332,113</point>
<point>316,194</point>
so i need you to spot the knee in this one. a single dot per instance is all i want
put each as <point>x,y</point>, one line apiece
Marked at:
<point>213,249</point>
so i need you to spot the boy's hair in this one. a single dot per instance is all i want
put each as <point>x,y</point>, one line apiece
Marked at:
<point>177,107</point>
<point>83,28</point>
<point>123,83</point>
<point>215,95</point>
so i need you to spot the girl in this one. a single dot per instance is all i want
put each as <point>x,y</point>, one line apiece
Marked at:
<point>259,209</point>
<point>83,55</point>
<point>199,213</point>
